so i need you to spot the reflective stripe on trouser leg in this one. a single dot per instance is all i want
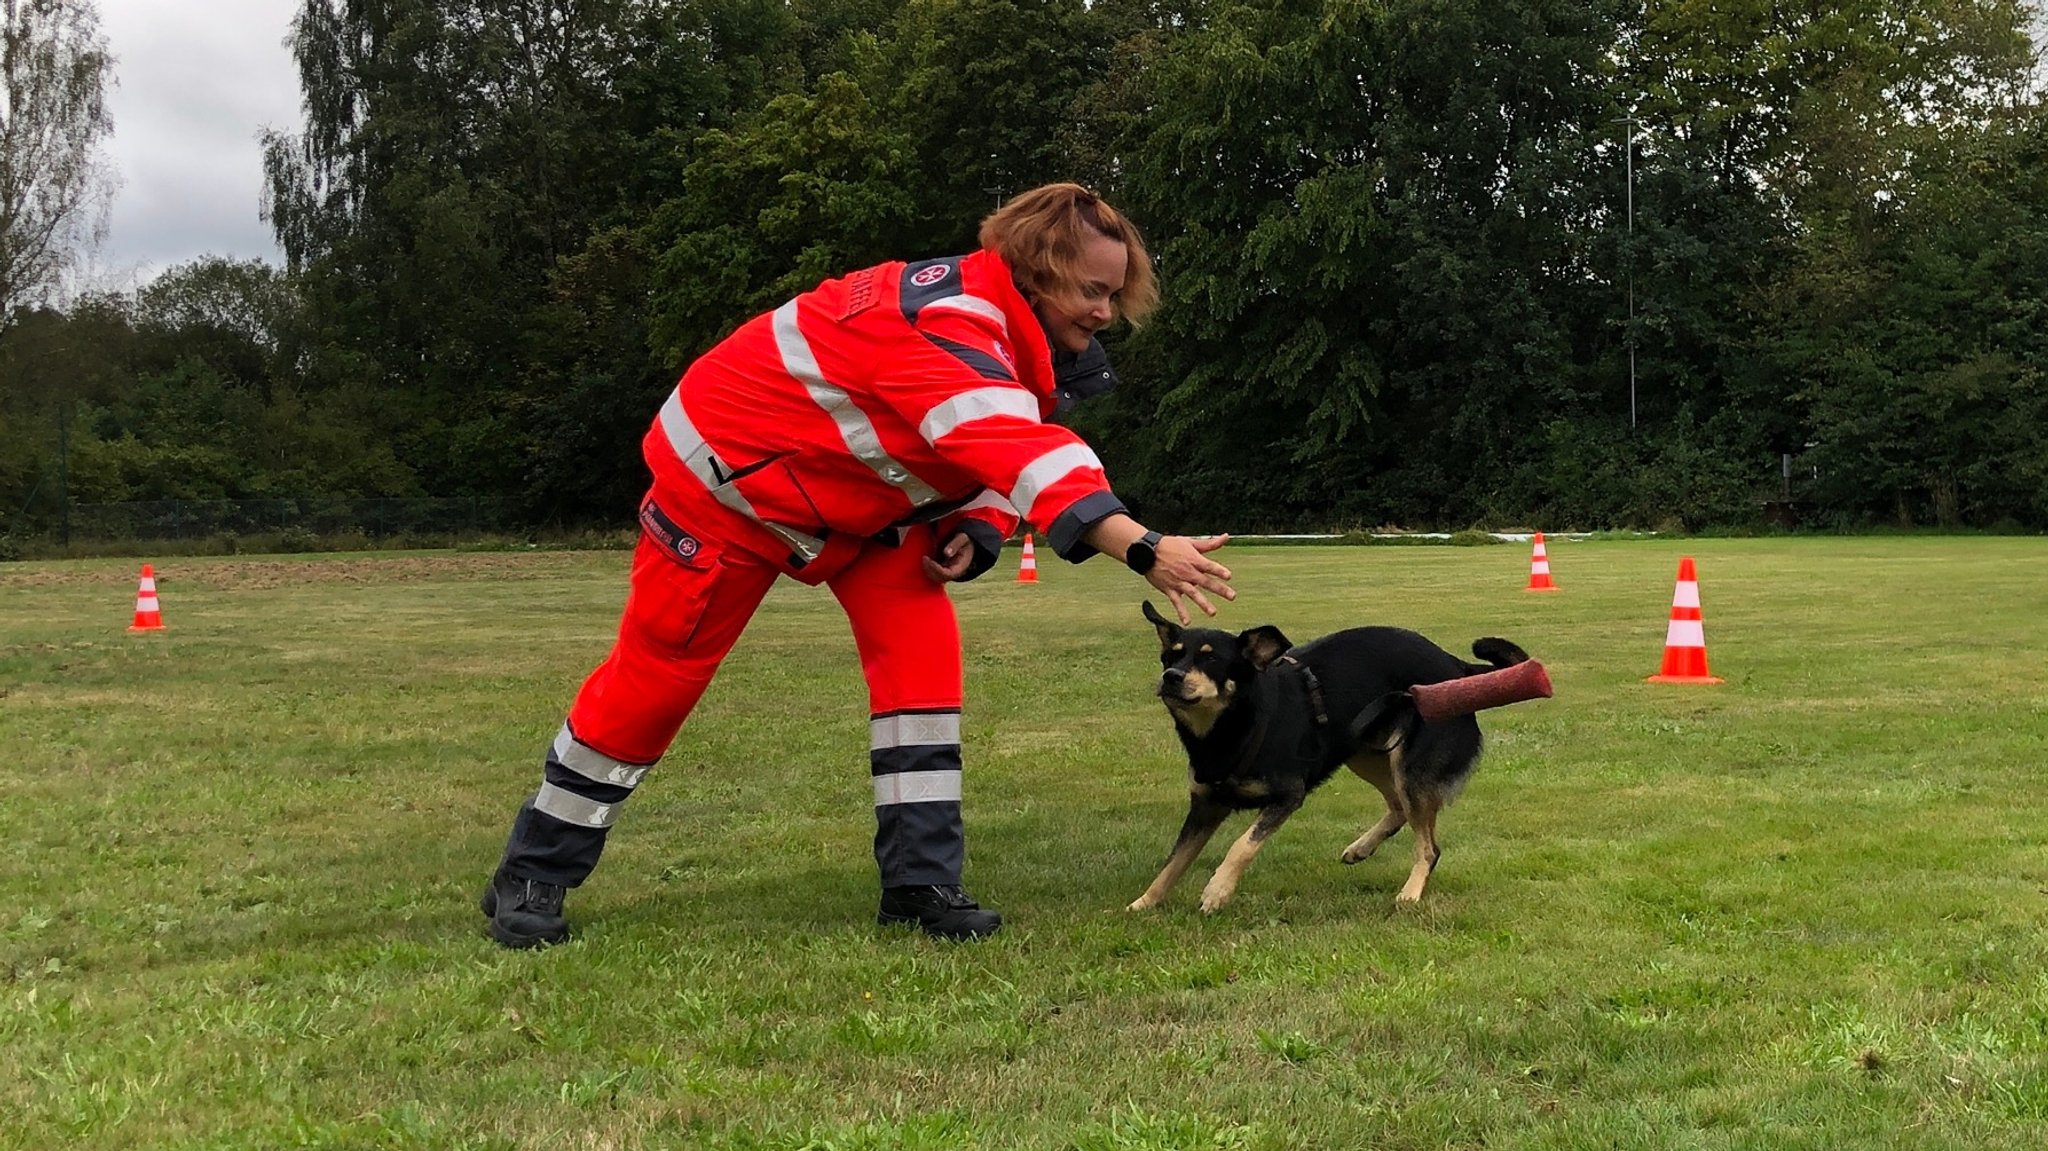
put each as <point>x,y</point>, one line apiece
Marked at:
<point>919,838</point>
<point>909,643</point>
<point>559,831</point>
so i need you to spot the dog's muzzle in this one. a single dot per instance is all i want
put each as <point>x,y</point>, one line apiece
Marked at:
<point>1173,687</point>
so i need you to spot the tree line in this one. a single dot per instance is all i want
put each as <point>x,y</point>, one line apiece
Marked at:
<point>1572,263</point>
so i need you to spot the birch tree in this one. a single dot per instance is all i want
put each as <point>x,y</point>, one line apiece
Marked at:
<point>55,188</point>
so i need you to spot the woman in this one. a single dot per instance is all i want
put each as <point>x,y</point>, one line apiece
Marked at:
<point>881,434</point>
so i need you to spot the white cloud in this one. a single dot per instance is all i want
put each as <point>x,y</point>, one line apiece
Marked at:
<point>198,80</point>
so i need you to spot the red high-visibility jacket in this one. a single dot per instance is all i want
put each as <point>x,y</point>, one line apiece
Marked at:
<point>898,393</point>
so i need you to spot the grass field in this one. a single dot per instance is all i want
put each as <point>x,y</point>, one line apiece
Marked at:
<point>1803,909</point>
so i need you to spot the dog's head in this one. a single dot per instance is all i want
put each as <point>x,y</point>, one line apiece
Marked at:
<point>1204,670</point>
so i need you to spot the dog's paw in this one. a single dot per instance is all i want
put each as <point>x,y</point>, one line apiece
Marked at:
<point>1408,897</point>
<point>1142,903</point>
<point>1213,900</point>
<point>1353,855</point>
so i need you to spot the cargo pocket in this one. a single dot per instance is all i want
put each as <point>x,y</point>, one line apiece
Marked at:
<point>672,539</point>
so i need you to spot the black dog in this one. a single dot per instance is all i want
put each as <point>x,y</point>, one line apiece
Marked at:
<point>1265,723</point>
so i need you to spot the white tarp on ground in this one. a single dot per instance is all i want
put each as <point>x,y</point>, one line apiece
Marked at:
<point>1510,537</point>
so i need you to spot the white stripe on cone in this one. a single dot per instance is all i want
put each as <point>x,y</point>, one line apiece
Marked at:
<point>1685,633</point>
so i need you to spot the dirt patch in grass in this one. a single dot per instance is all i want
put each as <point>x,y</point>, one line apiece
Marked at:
<point>254,574</point>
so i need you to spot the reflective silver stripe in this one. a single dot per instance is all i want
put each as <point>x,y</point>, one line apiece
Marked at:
<point>988,499</point>
<point>697,456</point>
<point>594,765</point>
<point>913,730</point>
<point>979,404</point>
<point>572,808</point>
<point>854,427</point>
<point>975,305</point>
<point>1046,471</point>
<point>917,787</point>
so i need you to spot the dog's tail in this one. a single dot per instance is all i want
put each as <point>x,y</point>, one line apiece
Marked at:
<point>1498,653</point>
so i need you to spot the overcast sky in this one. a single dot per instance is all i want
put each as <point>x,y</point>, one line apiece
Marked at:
<point>197,81</point>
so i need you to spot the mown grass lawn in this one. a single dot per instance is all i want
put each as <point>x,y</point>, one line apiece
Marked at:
<point>1803,909</point>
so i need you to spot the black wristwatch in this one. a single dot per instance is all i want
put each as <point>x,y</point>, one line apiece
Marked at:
<point>1144,552</point>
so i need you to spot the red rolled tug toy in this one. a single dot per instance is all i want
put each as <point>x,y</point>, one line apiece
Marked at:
<point>1435,702</point>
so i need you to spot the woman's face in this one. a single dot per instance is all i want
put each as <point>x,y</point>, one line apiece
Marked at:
<point>1073,315</point>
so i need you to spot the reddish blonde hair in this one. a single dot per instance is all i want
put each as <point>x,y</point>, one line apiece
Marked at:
<point>1040,233</point>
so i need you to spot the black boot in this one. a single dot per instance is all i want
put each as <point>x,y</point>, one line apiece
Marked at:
<point>525,912</point>
<point>943,911</point>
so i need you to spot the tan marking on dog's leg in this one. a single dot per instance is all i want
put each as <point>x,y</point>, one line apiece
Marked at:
<point>1223,884</point>
<point>1177,865</point>
<point>1374,770</point>
<point>1361,849</point>
<point>1202,822</point>
<point>1423,809</point>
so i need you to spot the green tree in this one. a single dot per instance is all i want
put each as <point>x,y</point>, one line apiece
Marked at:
<point>951,105</point>
<point>1363,213</point>
<point>456,155</point>
<point>54,188</point>
<point>1782,145</point>
<point>1923,362</point>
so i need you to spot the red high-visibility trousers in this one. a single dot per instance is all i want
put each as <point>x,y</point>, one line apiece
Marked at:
<point>690,599</point>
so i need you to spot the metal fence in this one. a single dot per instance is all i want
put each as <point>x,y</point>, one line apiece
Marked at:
<point>208,519</point>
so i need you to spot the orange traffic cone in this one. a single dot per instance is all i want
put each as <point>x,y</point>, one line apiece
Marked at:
<point>148,616</point>
<point>1539,569</point>
<point>1027,571</point>
<point>1685,640</point>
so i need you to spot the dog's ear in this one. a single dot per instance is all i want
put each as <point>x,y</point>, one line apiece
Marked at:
<point>1169,631</point>
<point>1262,645</point>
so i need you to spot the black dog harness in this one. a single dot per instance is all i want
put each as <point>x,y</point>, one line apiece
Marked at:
<point>1315,690</point>
<point>1366,720</point>
<point>1331,744</point>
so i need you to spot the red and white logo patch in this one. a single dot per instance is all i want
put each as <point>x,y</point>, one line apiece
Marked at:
<point>926,277</point>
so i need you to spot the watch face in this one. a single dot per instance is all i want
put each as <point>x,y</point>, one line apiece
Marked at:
<point>1140,556</point>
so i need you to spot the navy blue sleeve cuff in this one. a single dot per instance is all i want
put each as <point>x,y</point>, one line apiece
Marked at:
<point>988,547</point>
<point>1072,524</point>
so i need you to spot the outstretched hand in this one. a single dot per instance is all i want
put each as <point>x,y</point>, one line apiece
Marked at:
<point>1183,570</point>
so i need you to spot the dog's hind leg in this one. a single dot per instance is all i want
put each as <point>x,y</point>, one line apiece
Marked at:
<point>1374,770</point>
<point>1204,817</point>
<point>1223,884</point>
<point>1423,806</point>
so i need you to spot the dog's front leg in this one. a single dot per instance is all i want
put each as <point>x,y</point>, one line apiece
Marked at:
<point>1223,884</point>
<point>1204,817</point>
